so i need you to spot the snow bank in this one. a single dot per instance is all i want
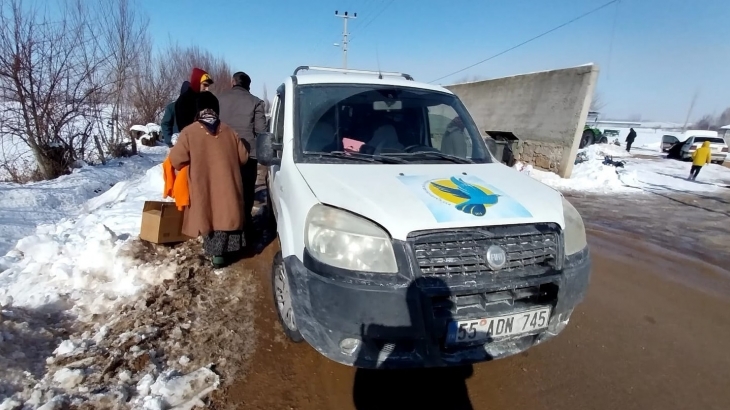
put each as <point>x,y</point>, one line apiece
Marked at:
<point>636,176</point>
<point>590,176</point>
<point>600,151</point>
<point>80,263</point>
<point>84,269</point>
<point>25,206</point>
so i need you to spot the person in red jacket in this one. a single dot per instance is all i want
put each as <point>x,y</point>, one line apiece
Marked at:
<point>186,105</point>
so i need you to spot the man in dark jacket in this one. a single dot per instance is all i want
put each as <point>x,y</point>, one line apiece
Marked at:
<point>244,112</point>
<point>168,124</point>
<point>630,139</point>
<point>186,105</point>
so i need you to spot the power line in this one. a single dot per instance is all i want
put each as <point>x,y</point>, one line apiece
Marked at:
<point>365,10</point>
<point>368,10</point>
<point>529,41</point>
<point>610,44</point>
<point>376,16</point>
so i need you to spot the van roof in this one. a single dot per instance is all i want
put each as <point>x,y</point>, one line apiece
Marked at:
<point>351,78</point>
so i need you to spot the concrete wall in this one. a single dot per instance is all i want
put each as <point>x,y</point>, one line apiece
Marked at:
<point>545,110</point>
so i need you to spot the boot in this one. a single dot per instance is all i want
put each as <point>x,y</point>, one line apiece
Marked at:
<point>218,262</point>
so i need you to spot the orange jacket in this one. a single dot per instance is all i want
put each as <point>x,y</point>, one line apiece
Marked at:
<point>176,186</point>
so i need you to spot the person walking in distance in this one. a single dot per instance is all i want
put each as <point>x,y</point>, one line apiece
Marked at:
<point>214,154</point>
<point>245,113</point>
<point>168,124</point>
<point>630,139</point>
<point>701,157</point>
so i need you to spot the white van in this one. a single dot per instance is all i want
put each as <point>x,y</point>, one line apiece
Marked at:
<point>403,242</point>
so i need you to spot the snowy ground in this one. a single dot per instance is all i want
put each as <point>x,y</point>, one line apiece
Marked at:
<point>92,316</point>
<point>72,330</point>
<point>636,175</point>
<point>25,206</point>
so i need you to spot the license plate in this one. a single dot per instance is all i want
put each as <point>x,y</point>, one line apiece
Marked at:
<point>484,329</point>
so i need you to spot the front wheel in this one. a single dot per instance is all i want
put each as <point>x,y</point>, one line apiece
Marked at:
<point>283,299</point>
<point>586,139</point>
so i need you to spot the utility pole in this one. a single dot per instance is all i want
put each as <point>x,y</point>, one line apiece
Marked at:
<point>345,35</point>
<point>689,112</point>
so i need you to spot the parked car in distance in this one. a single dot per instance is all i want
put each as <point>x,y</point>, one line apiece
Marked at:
<point>683,150</point>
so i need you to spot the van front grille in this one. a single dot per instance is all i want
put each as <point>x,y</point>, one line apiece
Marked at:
<point>463,251</point>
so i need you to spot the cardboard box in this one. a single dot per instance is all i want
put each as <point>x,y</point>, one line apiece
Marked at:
<point>162,223</point>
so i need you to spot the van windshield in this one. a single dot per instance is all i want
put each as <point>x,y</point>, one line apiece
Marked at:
<point>386,124</point>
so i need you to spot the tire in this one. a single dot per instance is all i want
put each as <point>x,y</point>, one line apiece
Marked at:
<point>586,139</point>
<point>281,292</point>
<point>603,140</point>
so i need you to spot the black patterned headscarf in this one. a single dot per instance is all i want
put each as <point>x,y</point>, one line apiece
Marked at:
<point>208,111</point>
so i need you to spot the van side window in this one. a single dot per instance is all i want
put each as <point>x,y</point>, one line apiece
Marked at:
<point>279,125</point>
<point>447,131</point>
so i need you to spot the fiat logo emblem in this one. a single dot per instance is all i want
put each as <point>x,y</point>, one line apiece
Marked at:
<point>496,257</point>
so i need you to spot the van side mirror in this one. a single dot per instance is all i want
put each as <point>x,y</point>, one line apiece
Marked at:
<point>266,149</point>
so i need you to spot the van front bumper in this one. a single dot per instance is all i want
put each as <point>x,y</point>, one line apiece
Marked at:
<point>399,322</point>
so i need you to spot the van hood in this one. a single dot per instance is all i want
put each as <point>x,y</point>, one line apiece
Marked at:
<point>410,197</point>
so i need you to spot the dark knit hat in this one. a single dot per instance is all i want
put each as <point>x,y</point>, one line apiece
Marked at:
<point>206,99</point>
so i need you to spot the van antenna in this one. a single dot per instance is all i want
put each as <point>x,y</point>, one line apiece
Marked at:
<point>377,58</point>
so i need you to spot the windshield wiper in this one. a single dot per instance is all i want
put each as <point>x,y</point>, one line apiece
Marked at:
<point>358,156</point>
<point>434,154</point>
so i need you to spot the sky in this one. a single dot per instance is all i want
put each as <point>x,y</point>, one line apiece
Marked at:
<point>653,55</point>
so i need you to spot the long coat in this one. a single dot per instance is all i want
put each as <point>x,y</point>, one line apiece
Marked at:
<point>214,174</point>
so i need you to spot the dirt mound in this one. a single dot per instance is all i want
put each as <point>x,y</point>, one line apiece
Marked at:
<point>201,323</point>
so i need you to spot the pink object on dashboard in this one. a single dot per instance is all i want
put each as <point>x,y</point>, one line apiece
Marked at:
<point>352,145</point>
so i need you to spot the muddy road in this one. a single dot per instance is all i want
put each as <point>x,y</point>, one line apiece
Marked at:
<point>652,333</point>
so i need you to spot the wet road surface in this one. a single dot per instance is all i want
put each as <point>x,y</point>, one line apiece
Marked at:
<point>652,333</point>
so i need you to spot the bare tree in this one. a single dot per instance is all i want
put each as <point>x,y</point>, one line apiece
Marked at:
<point>724,118</point>
<point>153,88</point>
<point>597,103</point>
<point>123,32</point>
<point>182,60</point>
<point>707,122</point>
<point>87,75</point>
<point>47,81</point>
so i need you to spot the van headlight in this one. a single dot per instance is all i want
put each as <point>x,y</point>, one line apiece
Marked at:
<point>575,230</point>
<point>344,240</point>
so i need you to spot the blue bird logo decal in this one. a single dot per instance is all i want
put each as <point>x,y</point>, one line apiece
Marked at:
<point>468,198</point>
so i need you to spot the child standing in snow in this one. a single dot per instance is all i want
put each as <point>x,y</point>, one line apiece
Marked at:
<point>700,157</point>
